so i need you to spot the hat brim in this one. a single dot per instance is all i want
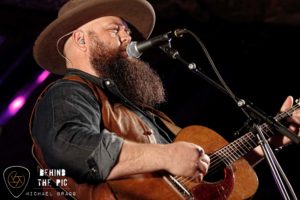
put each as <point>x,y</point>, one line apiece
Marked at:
<point>138,13</point>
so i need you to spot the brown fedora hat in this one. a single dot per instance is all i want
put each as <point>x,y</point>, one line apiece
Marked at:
<point>75,13</point>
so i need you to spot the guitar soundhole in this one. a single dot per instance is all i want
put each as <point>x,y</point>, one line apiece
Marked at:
<point>214,175</point>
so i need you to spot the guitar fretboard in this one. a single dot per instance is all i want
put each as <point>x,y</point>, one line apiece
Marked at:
<point>240,147</point>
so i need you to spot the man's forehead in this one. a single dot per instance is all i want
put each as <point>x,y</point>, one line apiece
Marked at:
<point>106,20</point>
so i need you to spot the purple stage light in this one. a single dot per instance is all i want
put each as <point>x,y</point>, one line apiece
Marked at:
<point>20,99</point>
<point>16,105</point>
<point>42,77</point>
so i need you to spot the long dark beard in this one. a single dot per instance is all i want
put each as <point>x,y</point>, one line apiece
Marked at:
<point>134,78</point>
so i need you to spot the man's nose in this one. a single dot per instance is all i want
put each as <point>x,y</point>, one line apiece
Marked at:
<point>124,36</point>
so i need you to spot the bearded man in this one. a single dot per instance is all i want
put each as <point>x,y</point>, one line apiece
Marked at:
<point>99,122</point>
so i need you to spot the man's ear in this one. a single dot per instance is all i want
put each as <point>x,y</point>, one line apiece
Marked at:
<point>81,41</point>
<point>78,37</point>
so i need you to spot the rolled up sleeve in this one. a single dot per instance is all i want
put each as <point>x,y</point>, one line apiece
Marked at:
<point>67,127</point>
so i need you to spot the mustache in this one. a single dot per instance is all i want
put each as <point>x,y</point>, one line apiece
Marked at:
<point>123,47</point>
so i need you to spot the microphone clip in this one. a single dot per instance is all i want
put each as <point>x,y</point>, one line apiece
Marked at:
<point>135,49</point>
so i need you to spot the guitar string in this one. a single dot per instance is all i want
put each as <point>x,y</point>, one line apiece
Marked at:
<point>185,180</point>
<point>218,160</point>
<point>221,154</point>
<point>280,116</point>
<point>215,157</point>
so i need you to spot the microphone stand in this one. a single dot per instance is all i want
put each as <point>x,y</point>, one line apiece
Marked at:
<point>173,53</point>
<point>271,159</point>
<point>275,167</point>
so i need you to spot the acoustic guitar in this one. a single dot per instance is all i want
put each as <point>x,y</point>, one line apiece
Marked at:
<point>229,177</point>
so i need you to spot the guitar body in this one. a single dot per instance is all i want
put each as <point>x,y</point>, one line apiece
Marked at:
<point>239,181</point>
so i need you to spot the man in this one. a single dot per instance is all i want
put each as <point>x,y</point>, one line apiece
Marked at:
<point>99,122</point>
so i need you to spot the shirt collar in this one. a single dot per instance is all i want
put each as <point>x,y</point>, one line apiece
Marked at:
<point>98,81</point>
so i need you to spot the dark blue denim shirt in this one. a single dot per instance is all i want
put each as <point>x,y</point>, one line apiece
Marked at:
<point>67,127</point>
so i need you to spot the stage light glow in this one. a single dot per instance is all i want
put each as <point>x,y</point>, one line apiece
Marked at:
<point>42,76</point>
<point>16,105</point>
<point>21,96</point>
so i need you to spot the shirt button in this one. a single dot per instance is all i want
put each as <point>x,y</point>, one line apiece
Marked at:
<point>107,83</point>
<point>93,169</point>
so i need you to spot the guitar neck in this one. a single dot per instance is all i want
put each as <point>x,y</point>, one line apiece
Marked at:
<point>240,147</point>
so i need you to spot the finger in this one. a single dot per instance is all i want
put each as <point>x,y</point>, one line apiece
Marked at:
<point>198,176</point>
<point>200,151</point>
<point>205,158</point>
<point>287,104</point>
<point>295,128</point>
<point>295,117</point>
<point>204,164</point>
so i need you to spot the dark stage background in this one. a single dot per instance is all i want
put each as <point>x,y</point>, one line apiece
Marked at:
<point>254,44</point>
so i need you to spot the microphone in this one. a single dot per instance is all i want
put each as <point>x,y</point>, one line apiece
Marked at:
<point>135,49</point>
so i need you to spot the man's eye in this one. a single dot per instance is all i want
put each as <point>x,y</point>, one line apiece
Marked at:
<point>128,31</point>
<point>114,30</point>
